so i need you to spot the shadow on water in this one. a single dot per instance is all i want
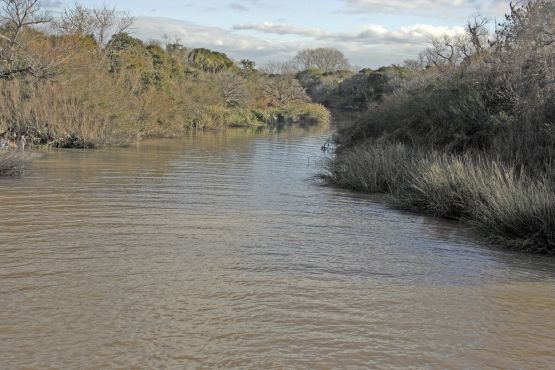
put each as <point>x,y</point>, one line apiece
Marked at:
<point>452,245</point>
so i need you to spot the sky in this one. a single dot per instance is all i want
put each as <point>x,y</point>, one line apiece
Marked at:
<point>370,33</point>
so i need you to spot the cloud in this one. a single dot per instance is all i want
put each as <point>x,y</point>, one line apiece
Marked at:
<point>449,8</point>
<point>238,6</point>
<point>419,34</point>
<point>52,4</point>
<point>372,45</point>
<point>281,29</point>
<point>372,34</point>
<point>194,35</point>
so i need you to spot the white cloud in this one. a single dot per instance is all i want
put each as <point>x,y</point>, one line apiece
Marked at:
<point>194,35</point>
<point>377,45</point>
<point>449,8</point>
<point>375,34</point>
<point>419,34</point>
<point>281,29</point>
<point>238,6</point>
<point>372,45</point>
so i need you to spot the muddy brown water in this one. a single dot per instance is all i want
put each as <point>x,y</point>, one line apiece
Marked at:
<point>221,250</point>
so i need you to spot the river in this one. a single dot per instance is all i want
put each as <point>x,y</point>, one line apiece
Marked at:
<point>222,250</point>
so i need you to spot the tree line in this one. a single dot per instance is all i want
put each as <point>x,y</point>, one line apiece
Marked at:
<point>326,60</point>
<point>82,79</point>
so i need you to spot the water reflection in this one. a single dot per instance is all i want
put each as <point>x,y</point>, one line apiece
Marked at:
<point>221,250</point>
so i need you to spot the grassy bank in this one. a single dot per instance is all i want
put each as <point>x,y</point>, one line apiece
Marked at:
<point>510,207</point>
<point>466,131</point>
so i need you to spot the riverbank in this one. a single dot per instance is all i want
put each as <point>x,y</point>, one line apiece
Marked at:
<point>199,119</point>
<point>512,209</point>
<point>469,139</point>
<point>92,94</point>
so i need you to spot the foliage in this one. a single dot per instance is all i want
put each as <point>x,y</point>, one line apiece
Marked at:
<point>210,61</point>
<point>218,116</point>
<point>499,101</point>
<point>16,16</point>
<point>93,89</point>
<point>282,89</point>
<point>348,91</point>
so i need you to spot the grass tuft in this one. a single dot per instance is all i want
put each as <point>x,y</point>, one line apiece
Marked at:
<point>511,208</point>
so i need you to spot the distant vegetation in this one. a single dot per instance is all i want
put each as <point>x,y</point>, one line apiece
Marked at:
<point>87,81</point>
<point>465,131</point>
<point>324,60</point>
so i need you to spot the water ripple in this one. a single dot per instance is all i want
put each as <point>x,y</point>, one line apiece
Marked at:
<point>223,251</point>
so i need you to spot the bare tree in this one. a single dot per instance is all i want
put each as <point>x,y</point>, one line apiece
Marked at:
<point>233,89</point>
<point>529,26</point>
<point>324,59</point>
<point>446,51</point>
<point>283,89</point>
<point>279,68</point>
<point>525,42</point>
<point>450,51</point>
<point>107,19</point>
<point>75,21</point>
<point>477,33</point>
<point>15,59</point>
<point>15,15</point>
<point>99,22</point>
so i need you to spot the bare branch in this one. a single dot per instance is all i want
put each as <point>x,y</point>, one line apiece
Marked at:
<point>17,59</point>
<point>100,22</point>
<point>325,59</point>
<point>19,14</point>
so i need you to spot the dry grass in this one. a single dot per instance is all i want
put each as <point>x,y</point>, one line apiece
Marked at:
<point>511,209</point>
<point>371,168</point>
<point>152,93</point>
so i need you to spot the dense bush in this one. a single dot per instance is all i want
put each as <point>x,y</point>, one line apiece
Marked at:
<point>500,100</point>
<point>77,87</point>
<point>347,91</point>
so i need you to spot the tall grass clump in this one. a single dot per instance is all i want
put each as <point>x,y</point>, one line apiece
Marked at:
<point>371,168</point>
<point>518,214</point>
<point>511,208</point>
<point>448,186</point>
